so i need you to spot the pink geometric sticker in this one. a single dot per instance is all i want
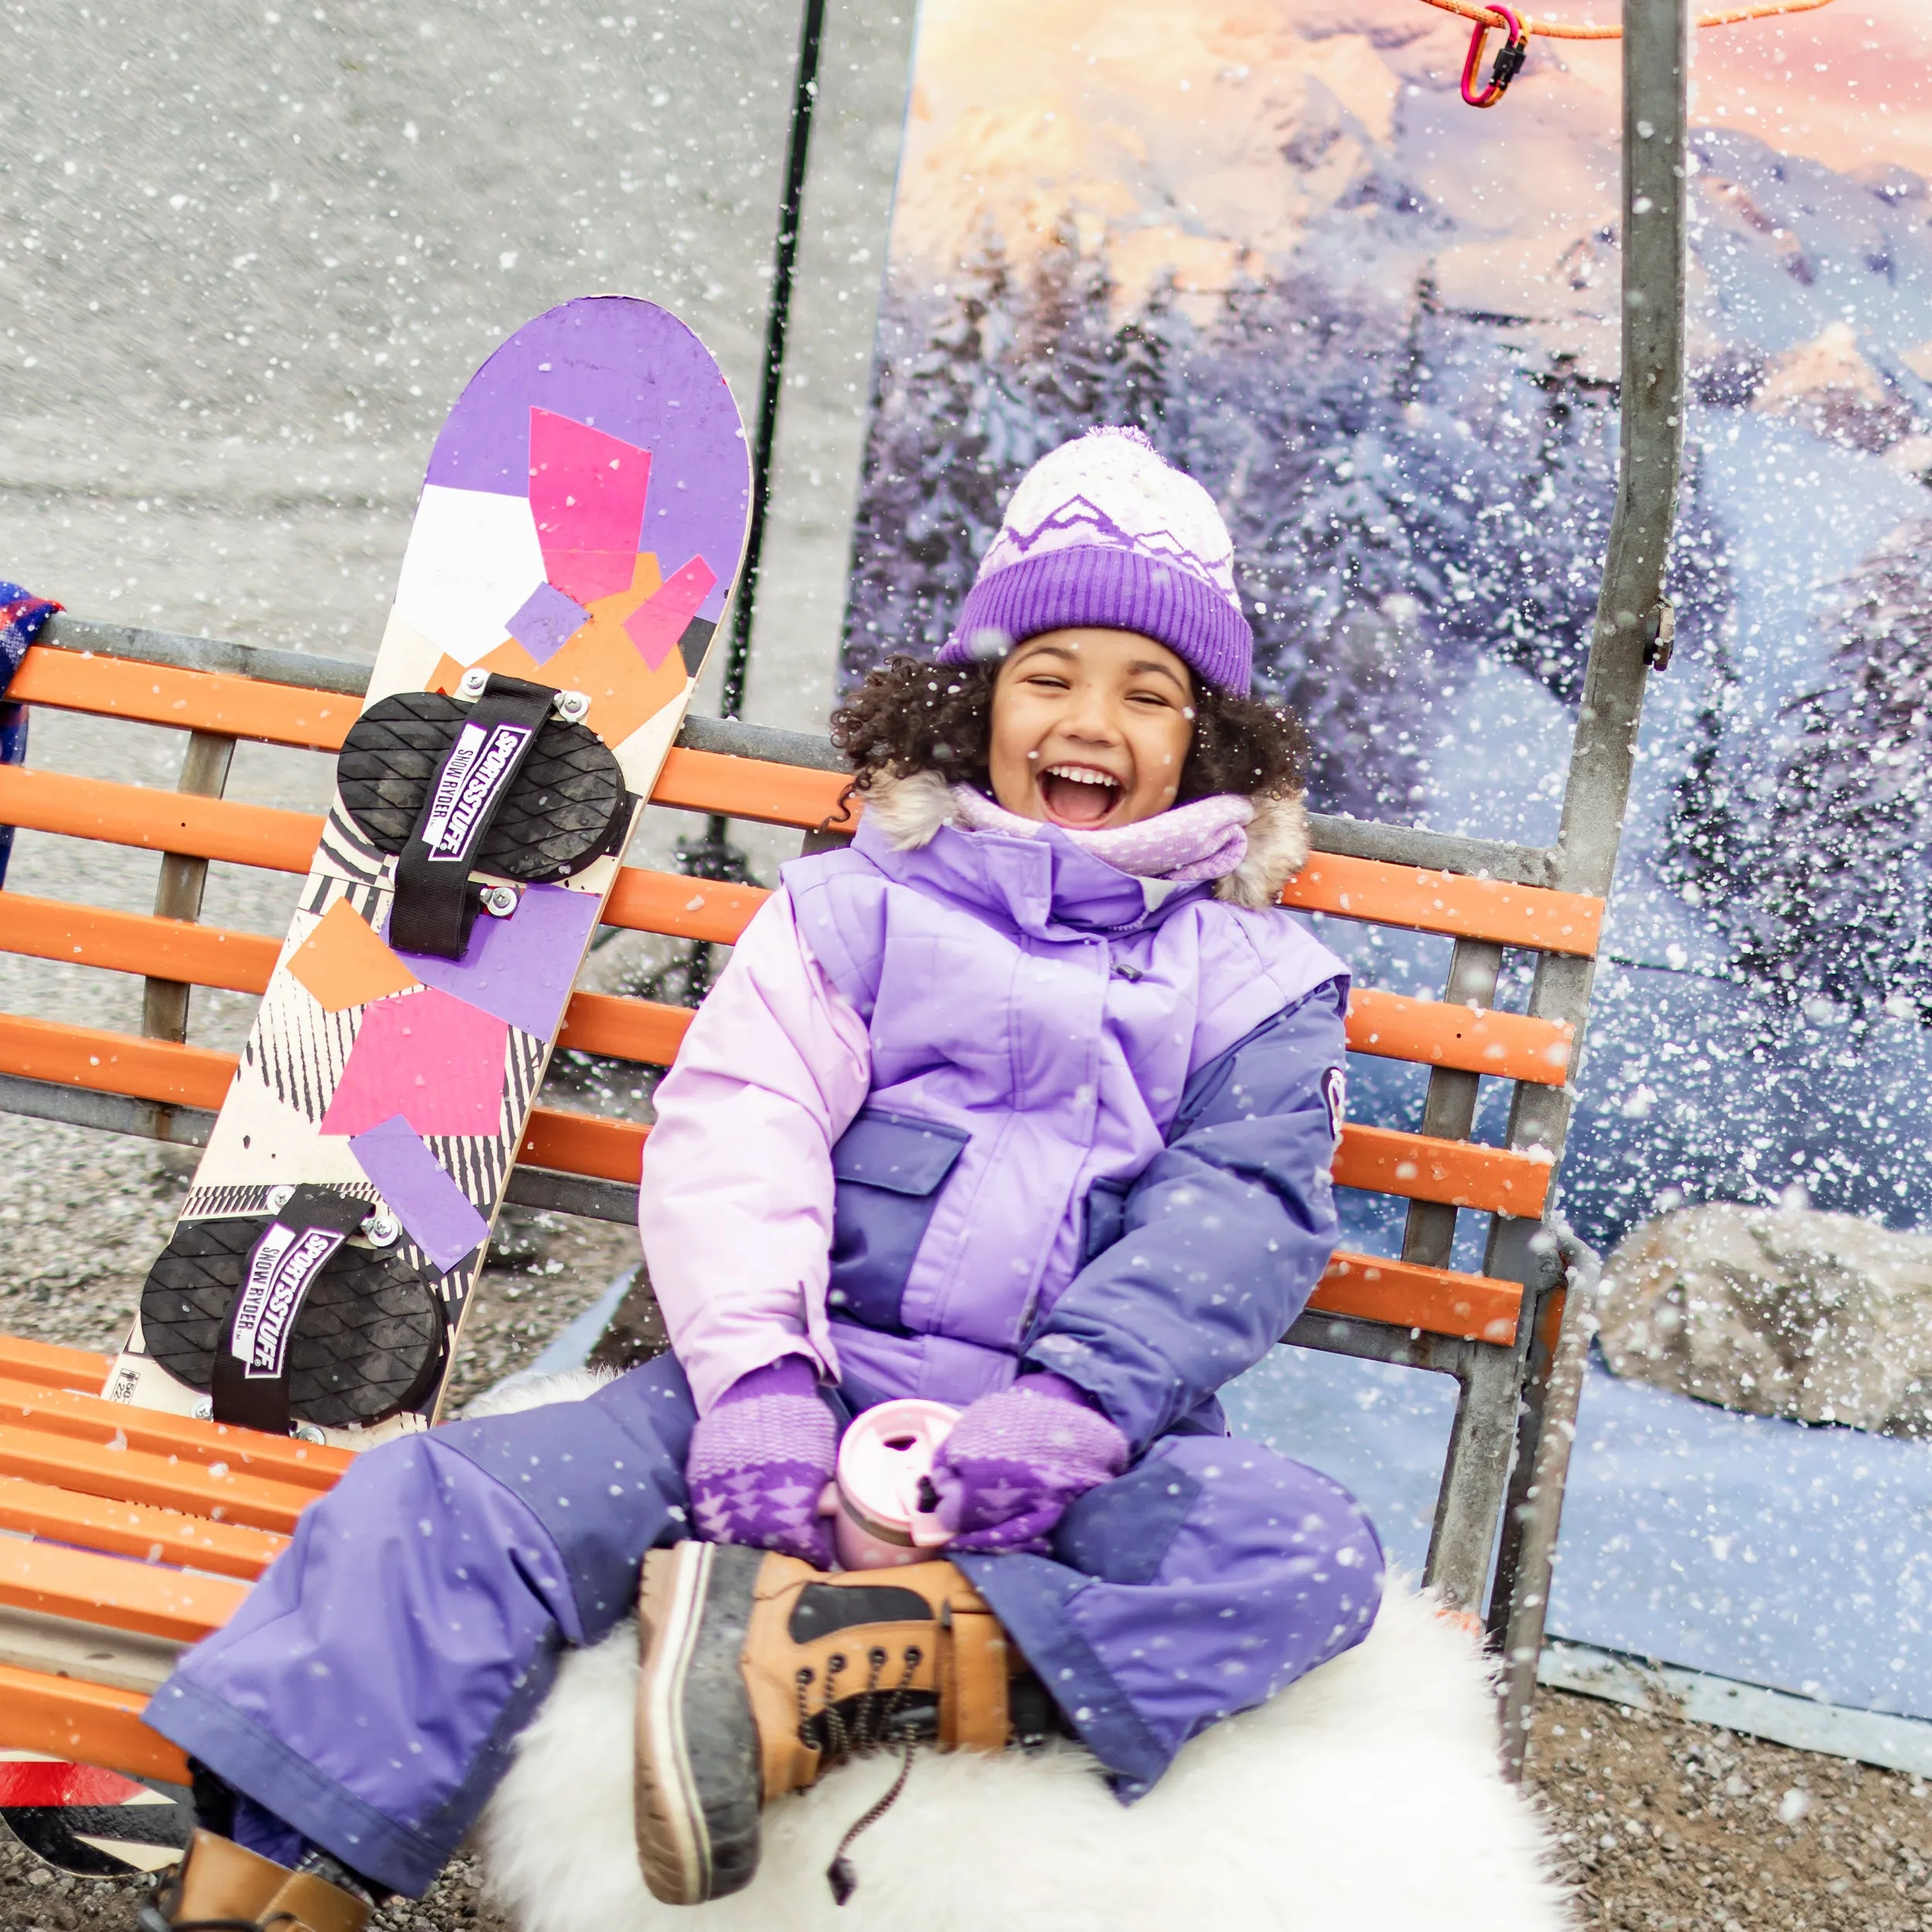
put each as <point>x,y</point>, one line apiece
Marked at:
<point>437,1061</point>
<point>592,574</point>
<point>587,491</point>
<point>657,624</point>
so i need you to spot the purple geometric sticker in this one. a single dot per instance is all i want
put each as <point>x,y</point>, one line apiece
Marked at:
<point>547,622</point>
<point>436,1213</point>
<point>632,371</point>
<point>521,968</point>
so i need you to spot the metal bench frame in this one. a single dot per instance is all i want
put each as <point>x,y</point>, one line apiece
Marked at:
<point>1513,1338</point>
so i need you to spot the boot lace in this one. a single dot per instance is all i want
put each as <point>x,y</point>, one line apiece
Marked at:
<point>850,1722</point>
<point>853,1725</point>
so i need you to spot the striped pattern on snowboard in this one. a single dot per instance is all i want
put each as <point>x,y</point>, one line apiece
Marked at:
<point>94,1823</point>
<point>581,526</point>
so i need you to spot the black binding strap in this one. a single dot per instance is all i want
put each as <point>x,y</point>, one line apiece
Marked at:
<point>434,908</point>
<point>250,1380</point>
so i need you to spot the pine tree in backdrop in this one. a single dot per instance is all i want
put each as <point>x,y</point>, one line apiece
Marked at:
<point>1405,495</point>
<point>1820,873</point>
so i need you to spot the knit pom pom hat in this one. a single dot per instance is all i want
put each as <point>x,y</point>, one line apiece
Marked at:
<point>1102,531</point>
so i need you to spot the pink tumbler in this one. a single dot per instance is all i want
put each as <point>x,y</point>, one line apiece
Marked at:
<point>884,1456</point>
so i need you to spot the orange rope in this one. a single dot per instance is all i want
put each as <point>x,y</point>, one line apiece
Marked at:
<point>1556,30</point>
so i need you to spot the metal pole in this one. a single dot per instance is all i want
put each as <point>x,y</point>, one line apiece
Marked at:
<point>1630,637</point>
<point>805,97</point>
<point>714,856</point>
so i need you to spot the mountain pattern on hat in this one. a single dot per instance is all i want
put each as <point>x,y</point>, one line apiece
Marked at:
<point>1103,532</point>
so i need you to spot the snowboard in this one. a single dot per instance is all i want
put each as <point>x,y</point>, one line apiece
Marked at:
<point>95,1823</point>
<point>579,530</point>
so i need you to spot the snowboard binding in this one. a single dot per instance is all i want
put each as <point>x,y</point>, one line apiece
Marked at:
<point>502,778</point>
<point>305,1316</point>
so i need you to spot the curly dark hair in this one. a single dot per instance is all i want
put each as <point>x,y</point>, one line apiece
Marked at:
<point>912,715</point>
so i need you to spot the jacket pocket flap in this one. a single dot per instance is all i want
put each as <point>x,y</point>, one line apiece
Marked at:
<point>896,1152</point>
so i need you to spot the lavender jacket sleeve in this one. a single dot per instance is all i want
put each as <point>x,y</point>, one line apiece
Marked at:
<point>1226,1233</point>
<point>735,1209</point>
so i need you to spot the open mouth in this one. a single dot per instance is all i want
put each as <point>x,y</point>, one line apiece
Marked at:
<point>1079,794</point>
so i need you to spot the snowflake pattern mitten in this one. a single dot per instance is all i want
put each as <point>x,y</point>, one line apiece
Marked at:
<point>1014,1461</point>
<point>759,1461</point>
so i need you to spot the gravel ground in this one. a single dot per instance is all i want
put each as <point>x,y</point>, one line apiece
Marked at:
<point>1673,1826</point>
<point>33,1899</point>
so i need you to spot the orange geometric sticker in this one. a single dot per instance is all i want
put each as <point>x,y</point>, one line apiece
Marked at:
<point>601,662</point>
<point>343,964</point>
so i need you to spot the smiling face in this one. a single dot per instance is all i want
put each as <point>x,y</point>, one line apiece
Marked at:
<point>1091,729</point>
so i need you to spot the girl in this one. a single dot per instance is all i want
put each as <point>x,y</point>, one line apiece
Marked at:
<point>1024,1102</point>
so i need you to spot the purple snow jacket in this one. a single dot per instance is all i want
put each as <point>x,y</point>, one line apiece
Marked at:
<point>989,1102</point>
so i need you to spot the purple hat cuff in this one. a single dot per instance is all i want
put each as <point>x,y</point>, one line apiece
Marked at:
<point>1110,589</point>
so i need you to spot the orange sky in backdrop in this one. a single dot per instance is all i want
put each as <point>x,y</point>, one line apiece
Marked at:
<point>1165,126</point>
<point>1873,102</point>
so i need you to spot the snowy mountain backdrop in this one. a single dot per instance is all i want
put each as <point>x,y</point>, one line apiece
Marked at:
<point>1382,330</point>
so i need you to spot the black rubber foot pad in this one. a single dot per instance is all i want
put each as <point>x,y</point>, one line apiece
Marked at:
<point>368,1340</point>
<point>567,807</point>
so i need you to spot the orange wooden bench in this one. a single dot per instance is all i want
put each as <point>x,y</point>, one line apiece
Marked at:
<point>125,1534</point>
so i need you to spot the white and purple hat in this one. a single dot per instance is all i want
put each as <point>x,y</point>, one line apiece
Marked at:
<point>1103,532</point>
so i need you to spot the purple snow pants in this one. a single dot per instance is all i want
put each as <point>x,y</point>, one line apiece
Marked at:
<point>370,1688</point>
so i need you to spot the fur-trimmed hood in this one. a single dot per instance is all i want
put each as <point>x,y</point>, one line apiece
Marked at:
<point>910,810</point>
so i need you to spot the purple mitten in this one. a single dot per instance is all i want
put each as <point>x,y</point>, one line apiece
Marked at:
<point>759,1461</point>
<point>1015,1460</point>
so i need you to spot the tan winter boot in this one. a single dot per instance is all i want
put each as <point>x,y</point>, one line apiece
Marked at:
<point>759,1671</point>
<point>222,1886</point>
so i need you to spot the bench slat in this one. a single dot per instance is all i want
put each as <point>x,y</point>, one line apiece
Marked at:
<point>625,1030</point>
<point>281,841</point>
<point>149,1597</point>
<point>681,908</point>
<point>1430,1032</point>
<point>1461,1174</point>
<point>53,1366</point>
<point>237,707</point>
<point>84,1723</point>
<point>1379,1160</point>
<point>1434,1033</point>
<point>1443,901</point>
<point>1407,1295</point>
<point>160,1481</point>
<point>154,821</point>
<point>584,1144</point>
<point>641,901</point>
<point>241,707</point>
<point>90,1056</point>
<point>283,1460</point>
<point>137,1530</point>
<point>175,949</point>
<point>750,788</point>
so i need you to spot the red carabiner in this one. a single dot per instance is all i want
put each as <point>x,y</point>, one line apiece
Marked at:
<point>1509,59</point>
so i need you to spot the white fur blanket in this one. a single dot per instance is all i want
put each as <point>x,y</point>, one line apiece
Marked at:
<point>1367,1795</point>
